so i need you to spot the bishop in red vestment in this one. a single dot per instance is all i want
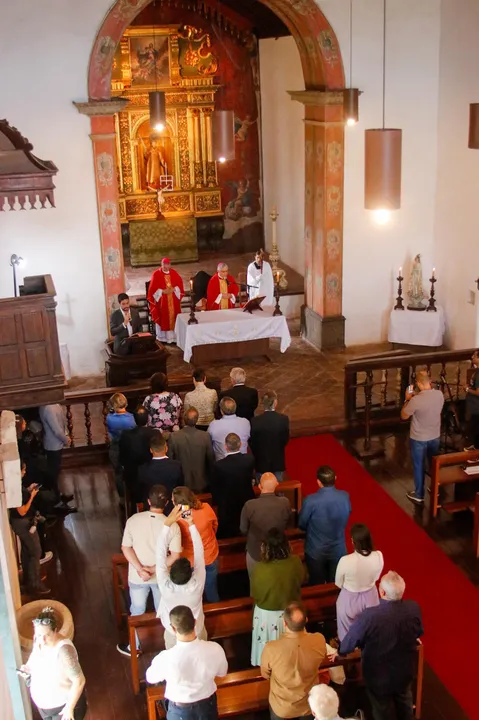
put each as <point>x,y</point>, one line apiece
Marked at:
<point>164,298</point>
<point>222,290</point>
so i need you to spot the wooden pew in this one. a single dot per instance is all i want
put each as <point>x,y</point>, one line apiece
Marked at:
<point>244,692</point>
<point>446,470</point>
<point>232,558</point>
<point>230,618</point>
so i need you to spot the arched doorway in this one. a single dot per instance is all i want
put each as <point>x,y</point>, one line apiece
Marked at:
<point>324,154</point>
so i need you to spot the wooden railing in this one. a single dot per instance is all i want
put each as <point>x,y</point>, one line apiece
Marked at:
<point>86,412</point>
<point>374,386</point>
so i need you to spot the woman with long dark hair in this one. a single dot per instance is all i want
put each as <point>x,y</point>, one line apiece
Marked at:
<point>275,581</point>
<point>356,575</point>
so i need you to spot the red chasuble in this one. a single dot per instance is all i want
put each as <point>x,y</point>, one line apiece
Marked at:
<point>167,307</point>
<point>216,286</point>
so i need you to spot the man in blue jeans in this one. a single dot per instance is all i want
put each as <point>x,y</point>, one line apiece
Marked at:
<point>323,517</point>
<point>424,406</point>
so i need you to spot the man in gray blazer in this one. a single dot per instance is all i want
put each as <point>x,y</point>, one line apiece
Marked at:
<point>124,323</point>
<point>192,447</point>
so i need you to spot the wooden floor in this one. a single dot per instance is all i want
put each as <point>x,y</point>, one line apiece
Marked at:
<point>80,576</point>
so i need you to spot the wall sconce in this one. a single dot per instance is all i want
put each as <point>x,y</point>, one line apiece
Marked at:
<point>223,122</point>
<point>157,111</point>
<point>16,261</point>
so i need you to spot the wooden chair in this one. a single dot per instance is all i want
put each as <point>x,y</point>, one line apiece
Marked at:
<point>447,470</point>
<point>243,293</point>
<point>226,620</point>
<point>244,692</point>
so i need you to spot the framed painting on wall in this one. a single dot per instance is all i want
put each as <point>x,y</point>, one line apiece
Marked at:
<point>149,59</point>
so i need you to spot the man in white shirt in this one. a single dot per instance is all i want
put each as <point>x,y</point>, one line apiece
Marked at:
<point>183,584</point>
<point>139,547</point>
<point>189,669</point>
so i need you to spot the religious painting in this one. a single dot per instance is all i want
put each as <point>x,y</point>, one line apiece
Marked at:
<point>155,157</point>
<point>150,61</point>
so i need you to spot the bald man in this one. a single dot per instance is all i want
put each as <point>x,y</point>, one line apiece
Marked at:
<point>291,665</point>
<point>258,516</point>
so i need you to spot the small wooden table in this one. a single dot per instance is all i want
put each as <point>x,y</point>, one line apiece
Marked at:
<point>446,470</point>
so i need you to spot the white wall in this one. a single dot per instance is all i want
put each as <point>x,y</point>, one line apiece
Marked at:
<point>283,147</point>
<point>457,208</point>
<point>37,88</point>
<point>372,254</point>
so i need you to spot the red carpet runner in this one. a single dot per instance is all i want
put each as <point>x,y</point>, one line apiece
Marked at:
<point>449,601</point>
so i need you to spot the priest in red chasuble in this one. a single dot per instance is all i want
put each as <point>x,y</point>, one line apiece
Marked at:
<point>222,290</point>
<point>164,298</point>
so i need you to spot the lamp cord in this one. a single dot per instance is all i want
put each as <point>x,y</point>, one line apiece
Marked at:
<point>351,44</point>
<point>384,64</point>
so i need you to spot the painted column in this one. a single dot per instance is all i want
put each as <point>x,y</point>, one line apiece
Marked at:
<point>102,118</point>
<point>323,322</point>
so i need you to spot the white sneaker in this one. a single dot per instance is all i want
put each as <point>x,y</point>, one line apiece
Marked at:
<point>47,558</point>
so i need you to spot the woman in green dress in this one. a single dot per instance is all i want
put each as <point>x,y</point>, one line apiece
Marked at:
<point>276,581</point>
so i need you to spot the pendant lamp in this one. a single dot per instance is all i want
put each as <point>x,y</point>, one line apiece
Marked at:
<point>157,110</point>
<point>383,153</point>
<point>474,126</point>
<point>351,95</point>
<point>223,122</point>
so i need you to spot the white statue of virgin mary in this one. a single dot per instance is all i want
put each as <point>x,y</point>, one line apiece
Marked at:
<point>415,289</point>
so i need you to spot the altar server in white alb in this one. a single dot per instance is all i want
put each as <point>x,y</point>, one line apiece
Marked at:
<point>260,279</point>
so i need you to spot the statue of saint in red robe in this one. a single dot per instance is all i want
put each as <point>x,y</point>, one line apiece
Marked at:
<point>222,290</point>
<point>164,298</point>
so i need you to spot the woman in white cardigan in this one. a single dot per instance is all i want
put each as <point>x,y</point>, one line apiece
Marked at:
<point>356,575</point>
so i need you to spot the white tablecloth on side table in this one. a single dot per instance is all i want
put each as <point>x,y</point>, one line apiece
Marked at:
<point>412,327</point>
<point>221,326</point>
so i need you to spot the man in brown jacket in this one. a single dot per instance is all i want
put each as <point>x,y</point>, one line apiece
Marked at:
<point>291,665</point>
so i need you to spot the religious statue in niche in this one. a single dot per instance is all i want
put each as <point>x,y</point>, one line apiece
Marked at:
<point>195,54</point>
<point>155,157</point>
<point>240,205</point>
<point>415,291</point>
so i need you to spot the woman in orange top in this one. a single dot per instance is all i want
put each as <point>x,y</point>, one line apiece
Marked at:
<point>207,524</point>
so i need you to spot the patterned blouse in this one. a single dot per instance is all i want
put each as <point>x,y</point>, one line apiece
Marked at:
<point>204,400</point>
<point>164,410</point>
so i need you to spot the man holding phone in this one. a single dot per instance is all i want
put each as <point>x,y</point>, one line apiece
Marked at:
<point>424,407</point>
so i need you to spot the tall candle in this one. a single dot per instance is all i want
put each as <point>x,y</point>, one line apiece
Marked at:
<point>400,272</point>
<point>434,272</point>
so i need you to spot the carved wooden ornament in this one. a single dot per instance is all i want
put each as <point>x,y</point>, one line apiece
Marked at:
<point>23,176</point>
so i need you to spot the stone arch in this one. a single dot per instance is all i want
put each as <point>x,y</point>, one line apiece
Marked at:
<point>323,323</point>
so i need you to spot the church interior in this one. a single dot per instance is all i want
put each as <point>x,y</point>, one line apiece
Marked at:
<point>165,163</point>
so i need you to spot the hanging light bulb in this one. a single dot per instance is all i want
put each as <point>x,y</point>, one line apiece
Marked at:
<point>382,167</point>
<point>157,111</point>
<point>223,124</point>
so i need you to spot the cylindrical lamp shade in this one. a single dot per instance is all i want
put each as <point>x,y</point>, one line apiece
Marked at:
<point>382,169</point>
<point>157,111</point>
<point>474,126</point>
<point>351,105</point>
<point>223,126</point>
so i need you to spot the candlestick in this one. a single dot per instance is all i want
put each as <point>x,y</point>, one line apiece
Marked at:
<point>432,302</point>
<point>399,301</point>
<point>277,309</point>
<point>192,320</point>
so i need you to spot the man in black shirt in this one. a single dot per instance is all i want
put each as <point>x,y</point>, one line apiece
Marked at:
<point>388,637</point>
<point>246,398</point>
<point>269,437</point>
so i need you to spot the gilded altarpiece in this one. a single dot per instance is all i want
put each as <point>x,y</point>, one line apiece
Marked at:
<point>179,160</point>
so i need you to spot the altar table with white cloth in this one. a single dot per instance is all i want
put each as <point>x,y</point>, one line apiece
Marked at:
<point>221,327</point>
<point>413,327</point>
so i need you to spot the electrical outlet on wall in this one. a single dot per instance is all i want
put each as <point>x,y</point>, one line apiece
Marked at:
<point>471,297</point>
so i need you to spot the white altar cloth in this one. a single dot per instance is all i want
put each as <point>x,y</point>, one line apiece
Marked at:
<point>221,326</point>
<point>410,327</point>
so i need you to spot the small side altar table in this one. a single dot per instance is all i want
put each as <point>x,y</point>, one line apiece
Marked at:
<point>226,334</point>
<point>413,327</point>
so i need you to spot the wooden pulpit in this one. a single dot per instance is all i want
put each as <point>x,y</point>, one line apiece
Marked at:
<point>31,371</point>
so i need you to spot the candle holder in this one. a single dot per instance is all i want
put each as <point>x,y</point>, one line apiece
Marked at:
<point>399,301</point>
<point>432,302</point>
<point>192,320</point>
<point>277,309</point>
